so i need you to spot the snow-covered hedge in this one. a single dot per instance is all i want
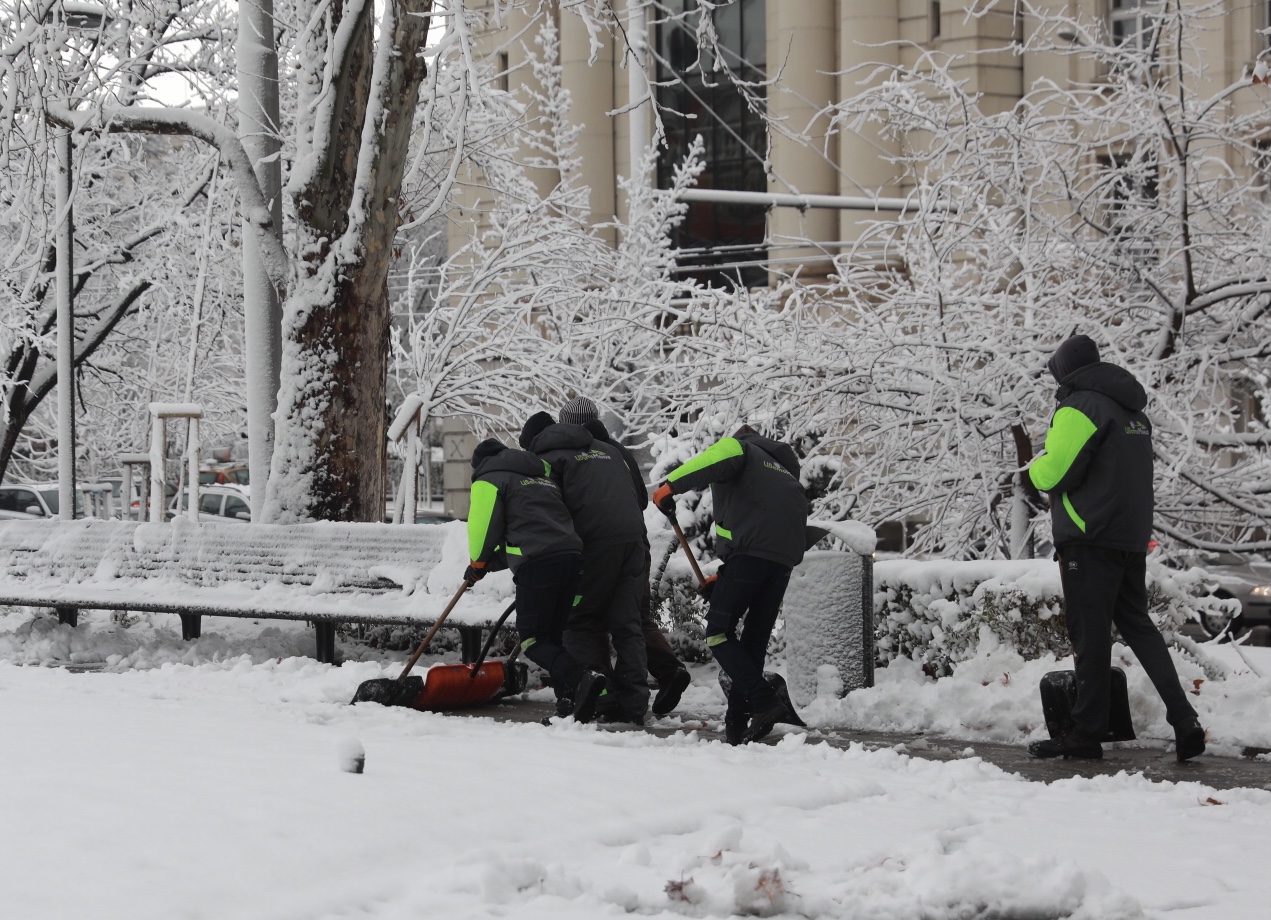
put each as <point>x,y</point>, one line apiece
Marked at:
<point>941,612</point>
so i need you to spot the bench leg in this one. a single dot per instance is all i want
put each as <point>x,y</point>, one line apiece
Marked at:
<point>324,630</point>
<point>469,643</point>
<point>191,626</point>
<point>68,615</point>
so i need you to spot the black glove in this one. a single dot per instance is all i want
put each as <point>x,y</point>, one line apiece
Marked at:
<point>472,574</point>
<point>707,588</point>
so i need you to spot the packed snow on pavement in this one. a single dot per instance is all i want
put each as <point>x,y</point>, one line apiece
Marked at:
<point>210,779</point>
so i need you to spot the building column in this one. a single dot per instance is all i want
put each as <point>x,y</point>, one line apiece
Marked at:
<point>863,33</point>
<point>801,42</point>
<point>590,86</point>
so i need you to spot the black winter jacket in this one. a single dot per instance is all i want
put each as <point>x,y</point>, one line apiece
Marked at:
<point>517,507</point>
<point>760,508</point>
<point>595,484</point>
<point>1097,466</point>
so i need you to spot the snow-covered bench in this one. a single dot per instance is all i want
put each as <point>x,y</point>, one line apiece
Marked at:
<point>324,573</point>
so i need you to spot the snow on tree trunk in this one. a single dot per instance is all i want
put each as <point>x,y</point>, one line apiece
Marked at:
<point>357,106</point>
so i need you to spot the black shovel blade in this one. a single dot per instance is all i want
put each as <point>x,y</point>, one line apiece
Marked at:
<point>389,691</point>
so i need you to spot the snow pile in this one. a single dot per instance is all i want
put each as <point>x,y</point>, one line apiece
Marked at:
<point>994,697</point>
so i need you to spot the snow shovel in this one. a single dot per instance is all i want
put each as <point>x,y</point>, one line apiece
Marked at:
<point>452,686</point>
<point>404,690</point>
<point>1059,695</point>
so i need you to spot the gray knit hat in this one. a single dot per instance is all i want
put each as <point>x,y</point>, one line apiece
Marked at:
<point>579,411</point>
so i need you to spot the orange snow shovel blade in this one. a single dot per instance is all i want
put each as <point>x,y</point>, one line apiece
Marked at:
<point>454,686</point>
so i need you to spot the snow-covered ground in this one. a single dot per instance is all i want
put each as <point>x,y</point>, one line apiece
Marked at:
<point>207,780</point>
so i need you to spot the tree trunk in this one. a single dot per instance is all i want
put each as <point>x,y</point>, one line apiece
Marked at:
<point>329,456</point>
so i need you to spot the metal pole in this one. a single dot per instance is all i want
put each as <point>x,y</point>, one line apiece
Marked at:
<point>774,200</point>
<point>65,329</point>
<point>258,122</point>
<point>158,447</point>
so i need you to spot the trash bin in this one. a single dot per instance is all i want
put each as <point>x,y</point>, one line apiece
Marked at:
<point>829,625</point>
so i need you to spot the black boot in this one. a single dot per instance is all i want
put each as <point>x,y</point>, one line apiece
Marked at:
<point>735,727</point>
<point>668,695</point>
<point>763,720</point>
<point>1189,739</point>
<point>1073,744</point>
<point>586,697</point>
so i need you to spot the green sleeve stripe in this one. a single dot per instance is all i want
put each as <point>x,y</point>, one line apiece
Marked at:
<point>724,449</point>
<point>726,534</point>
<point>1072,513</point>
<point>1069,432</point>
<point>712,641</point>
<point>513,551</point>
<point>481,509</point>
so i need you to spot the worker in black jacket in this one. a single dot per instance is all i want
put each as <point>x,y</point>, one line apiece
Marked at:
<point>597,490</point>
<point>1097,470</point>
<point>516,511</point>
<point>761,515</point>
<point>672,677</point>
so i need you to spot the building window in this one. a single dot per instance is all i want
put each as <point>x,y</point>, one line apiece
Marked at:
<point>1132,23</point>
<point>501,78</point>
<point>933,19</point>
<point>1131,204</point>
<point>723,244</point>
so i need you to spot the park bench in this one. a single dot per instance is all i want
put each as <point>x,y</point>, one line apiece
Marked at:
<point>323,573</point>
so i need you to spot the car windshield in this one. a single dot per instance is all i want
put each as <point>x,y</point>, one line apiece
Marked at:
<point>51,499</point>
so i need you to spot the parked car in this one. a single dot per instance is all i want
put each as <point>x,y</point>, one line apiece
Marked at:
<point>30,500</point>
<point>1230,575</point>
<point>217,504</point>
<point>224,475</point>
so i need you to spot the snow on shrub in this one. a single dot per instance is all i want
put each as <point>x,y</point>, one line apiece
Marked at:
<point>939,612</point>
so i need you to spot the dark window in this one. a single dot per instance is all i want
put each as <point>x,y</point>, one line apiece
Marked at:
<point>933,14</point>
<point>233,506</point>
<point>1133,23</point>
<point>210,503</point>
<point>723,243</point>
<point>9,500</point>
<point>1131,204</point>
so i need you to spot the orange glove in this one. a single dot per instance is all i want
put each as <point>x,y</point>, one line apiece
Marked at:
<point>665,500</point>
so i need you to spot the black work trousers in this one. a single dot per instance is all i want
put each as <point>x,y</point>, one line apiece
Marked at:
<point>1105,588</point>
<point>608,607</point>
<point>753,588</point>
<point>544,596</point>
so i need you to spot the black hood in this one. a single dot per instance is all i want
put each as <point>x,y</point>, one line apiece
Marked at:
<point>511,461</point>
<point>780,451</point>
<point>555,437</point>
<point>1112,381</point>
<point>596,428</point>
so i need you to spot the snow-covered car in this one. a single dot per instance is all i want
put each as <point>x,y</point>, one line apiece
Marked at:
<point>1237,577</point>
<point>217,504</point>
<point>27,500</point>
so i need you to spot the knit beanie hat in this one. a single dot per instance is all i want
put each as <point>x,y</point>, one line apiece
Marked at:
<point>579,411</point>
<point>487,448</point>
<point>533,427</point>
<point>1074,354</point>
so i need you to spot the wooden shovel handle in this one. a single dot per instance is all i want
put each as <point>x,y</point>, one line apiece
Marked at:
<point>432,632</point>
<point>692,560</point>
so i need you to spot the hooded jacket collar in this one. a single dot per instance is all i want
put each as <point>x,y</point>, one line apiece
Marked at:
<point>561,435</point>
<point>520,462</point>
<point>780,451</point>
<point>1108,379</point>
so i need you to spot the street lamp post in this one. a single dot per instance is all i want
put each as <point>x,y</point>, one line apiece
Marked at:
<point>65,281</point>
